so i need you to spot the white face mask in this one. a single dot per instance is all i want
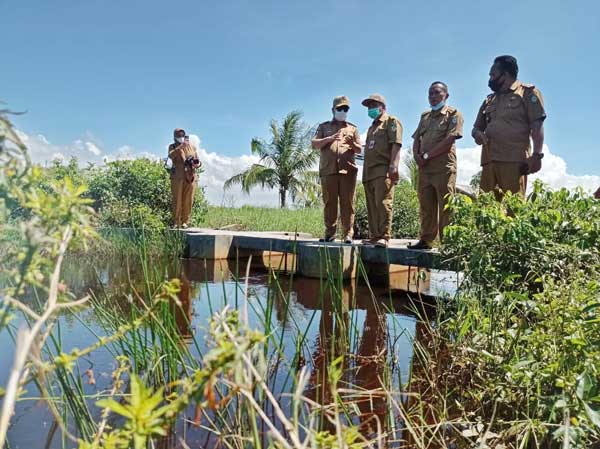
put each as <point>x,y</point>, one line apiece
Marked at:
<point>179,139</point>
<point>340,116</point>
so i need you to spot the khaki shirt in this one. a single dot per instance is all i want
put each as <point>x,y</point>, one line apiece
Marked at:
<point>337,157</point>
<point>434,127</point>
<point>507,118</point>
<point>383,133</point>
<point>178,152</point>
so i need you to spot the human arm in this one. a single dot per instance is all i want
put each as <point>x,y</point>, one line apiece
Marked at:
<point>478,131</point>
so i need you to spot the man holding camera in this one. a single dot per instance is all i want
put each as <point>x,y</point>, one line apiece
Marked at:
<point>183,178</point>
<point>507,119</point>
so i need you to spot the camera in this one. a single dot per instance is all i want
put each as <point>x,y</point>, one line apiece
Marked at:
<point>191,161</point>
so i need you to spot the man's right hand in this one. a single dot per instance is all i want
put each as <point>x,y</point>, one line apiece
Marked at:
<point>480,137</point>
<point>420,161</point>
<point>336,136</point>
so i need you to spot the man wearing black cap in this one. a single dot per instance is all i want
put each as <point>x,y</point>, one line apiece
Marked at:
<point>380,172</point>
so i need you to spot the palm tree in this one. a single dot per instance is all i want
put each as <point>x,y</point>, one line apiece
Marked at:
<point>286,161</point>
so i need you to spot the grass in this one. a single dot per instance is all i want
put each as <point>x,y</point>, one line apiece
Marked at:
<point>248,218</point>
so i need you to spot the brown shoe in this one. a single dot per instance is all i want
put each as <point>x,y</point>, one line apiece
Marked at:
<point>381,243</point>
<point>327,239</point>
<point>420,245</point>
<point>347,239</point>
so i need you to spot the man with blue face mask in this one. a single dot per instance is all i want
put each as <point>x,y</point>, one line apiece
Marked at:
<point>338,141</point>
<point>434,150</point>
<point>380,170</point>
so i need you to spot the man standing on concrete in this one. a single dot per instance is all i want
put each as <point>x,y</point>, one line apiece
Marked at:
<point>380,172</point>
<point>183,178</point>
<point>506,121</point>
<point>338,141</point>
<point>434,150</point>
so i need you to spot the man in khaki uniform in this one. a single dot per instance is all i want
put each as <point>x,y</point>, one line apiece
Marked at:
<point>380,171</point>
<point>434,150</point>
<point>183,178</point>
<point>506,121</point>
<point>338,141</point>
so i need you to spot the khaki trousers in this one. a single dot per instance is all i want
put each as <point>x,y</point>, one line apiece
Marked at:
<point>432,190</point>
<point>501,177</point>
<point>182,195</point>
<point>379,193</point>
<point>340,189</point>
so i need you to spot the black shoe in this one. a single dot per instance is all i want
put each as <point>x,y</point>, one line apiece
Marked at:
<point>329,239</point>
<point>420,245</point>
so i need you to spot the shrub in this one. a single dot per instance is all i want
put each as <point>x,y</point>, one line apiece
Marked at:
<point>549,233</point>
<point>136,192</point>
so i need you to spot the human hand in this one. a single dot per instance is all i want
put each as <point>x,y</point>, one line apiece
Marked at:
<point>534,163</point>
<point>393,174</point>
<point>480,138</point>
<point>335,137</point>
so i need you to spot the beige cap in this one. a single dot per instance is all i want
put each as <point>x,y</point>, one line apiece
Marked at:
<point>342,100</point>
<point>374,97</point>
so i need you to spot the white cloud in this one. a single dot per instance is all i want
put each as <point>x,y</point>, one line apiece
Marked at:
<point>219,168</point>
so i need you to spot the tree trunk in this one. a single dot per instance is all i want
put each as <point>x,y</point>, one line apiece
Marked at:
<point>282,196</point>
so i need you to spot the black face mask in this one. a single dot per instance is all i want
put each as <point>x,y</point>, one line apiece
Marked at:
<point>496,84</point>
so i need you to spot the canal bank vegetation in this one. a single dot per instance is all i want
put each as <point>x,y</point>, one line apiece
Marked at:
<point>511,360</point>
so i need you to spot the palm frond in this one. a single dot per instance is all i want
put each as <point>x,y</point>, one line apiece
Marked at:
<point>256,175</point>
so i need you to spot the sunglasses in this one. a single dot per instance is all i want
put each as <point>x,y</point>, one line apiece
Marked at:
<point>342,108</point>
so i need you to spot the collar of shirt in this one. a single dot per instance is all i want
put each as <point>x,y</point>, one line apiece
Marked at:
<point>442,111</point>
<point>380,119</point>
<point>514,86</point>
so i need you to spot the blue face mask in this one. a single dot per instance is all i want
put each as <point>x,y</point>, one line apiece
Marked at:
<point>374,112</point>
<point>438,106</point>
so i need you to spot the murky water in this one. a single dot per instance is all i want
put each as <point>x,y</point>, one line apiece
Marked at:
<point>380,321</point>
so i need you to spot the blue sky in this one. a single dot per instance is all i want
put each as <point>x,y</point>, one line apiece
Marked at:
<point>126,73</point>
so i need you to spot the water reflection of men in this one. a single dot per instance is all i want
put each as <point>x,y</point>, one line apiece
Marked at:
<point>183,311</point>
<point>334,342</point>
<point>183,178</point>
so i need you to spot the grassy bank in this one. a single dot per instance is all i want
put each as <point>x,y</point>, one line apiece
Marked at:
<point>250,218</point>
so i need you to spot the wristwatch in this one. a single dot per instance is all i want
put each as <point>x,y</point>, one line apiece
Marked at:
<point>425,156</point>
<point>539,155</point>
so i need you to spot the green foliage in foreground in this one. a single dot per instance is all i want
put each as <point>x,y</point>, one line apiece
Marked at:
<point>514,360</point>
<point>552,233</point>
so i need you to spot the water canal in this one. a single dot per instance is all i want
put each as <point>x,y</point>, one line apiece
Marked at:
<point>312,323</point>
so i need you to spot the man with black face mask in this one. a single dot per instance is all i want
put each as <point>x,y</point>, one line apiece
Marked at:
<point>508,119</point>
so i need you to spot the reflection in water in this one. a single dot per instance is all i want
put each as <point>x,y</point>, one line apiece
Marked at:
<point>352,332</point>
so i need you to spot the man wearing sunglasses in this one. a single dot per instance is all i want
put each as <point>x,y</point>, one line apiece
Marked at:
<point>338,141</point>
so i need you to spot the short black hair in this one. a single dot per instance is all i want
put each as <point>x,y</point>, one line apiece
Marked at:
<point>508,64</point>
<point>441,83</point>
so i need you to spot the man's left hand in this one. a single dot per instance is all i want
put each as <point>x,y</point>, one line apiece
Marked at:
<point>393,174</point>
<point>534,163</point>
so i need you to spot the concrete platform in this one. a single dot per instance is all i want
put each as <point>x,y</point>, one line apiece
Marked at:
<point>314,258</point>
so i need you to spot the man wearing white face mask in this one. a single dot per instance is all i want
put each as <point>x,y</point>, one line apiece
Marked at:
<point>338,141</point>
<point>434,150</point>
